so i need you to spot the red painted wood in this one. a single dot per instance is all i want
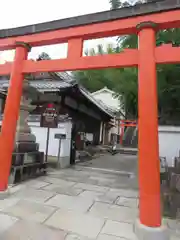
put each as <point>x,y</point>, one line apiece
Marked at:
<point>148,156</point>
<point>169,19</point>
<point>11,114</point>
<point>128,58</point>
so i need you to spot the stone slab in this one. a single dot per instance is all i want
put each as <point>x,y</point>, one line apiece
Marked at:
<point>124,193</point>
<point>63,190</point>
<point>91,187</point>
<point>4,194</point>
<point>102,179</point>
<point>174,225</point>
<point>6,222</point>
<point>99,196</point>
<point>127,202</point>
<point>26,230</point>
<point>119,229</point>
<point>174,237</point>
<point>36,184</point>
<point>16,188</point>
<point>78,223</point>
<point>72,236</point>
<point>71,172</point>
<point>109,237</point>
<point>8,202</point>
<point>30,211</point>
<point>77,204</point>
<point>107,198</point>
<point>90,195</point>
<point>55,173</point>
<point>76,179</point>
<point>60,182</point>
<point>118,165</point>
<point>89,181</point>
<point>113,212</point>
<point>35,195</point>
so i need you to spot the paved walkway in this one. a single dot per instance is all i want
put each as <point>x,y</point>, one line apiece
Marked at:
<point>118,162</point>
<point>79,203</point>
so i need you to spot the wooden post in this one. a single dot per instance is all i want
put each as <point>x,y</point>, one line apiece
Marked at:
<point>122,132</point>
<point>149,165</point>
<point>11,113</point>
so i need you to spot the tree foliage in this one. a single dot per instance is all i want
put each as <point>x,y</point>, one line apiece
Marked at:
<point>117,4</point>
<point>124,81</point>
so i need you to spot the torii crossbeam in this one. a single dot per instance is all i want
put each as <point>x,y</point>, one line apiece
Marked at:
<point>144,20</point>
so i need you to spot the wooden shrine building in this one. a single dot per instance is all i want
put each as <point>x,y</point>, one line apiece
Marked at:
<point>87,114</point>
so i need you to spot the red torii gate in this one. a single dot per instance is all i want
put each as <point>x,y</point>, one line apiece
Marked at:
<point>125,123</point>
<point>145,58</point>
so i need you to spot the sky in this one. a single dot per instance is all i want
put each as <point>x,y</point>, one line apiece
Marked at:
<point>14,13</point>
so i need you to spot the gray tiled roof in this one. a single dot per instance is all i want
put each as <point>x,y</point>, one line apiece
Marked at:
<point>101,106</point>
<point>68,77</point>
<point>64,81</point>
<point>41,85</point>
<point>49,85</point>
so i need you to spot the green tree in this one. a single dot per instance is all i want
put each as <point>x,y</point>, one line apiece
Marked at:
<point>124,80</point>
<point>168,75</point>
<point>117,4</point>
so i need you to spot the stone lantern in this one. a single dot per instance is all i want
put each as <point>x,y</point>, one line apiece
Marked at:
<point>26,157</point>
<point>23,131</point>
<point>25,140</point>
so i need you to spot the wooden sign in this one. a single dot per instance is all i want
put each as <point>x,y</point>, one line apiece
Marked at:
<point>49,116</point>
<point>59,136</point>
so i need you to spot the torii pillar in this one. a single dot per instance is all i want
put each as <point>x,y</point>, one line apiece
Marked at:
<point>11,112</point>
<point>148,227</point>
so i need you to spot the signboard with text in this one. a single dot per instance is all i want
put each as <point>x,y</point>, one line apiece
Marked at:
<point>60,136</point>
<point>49,116</point>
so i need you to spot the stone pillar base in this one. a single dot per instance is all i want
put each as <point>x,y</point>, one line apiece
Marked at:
<point>63,163</point>
<point>147,233</point>
<point>26,137</point>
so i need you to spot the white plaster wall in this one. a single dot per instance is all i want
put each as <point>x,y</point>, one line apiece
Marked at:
<point>101,132</point>
<point>89,136</point>
<point>41,136</point>
<point>112,102</point>
<point>169,142</point>
<point>116,128</point>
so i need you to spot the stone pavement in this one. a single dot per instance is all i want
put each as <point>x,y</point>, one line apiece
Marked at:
<point>79,203</point>
<point>118,162</point>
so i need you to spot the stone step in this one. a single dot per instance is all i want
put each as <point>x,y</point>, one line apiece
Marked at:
<point>129,151</point>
